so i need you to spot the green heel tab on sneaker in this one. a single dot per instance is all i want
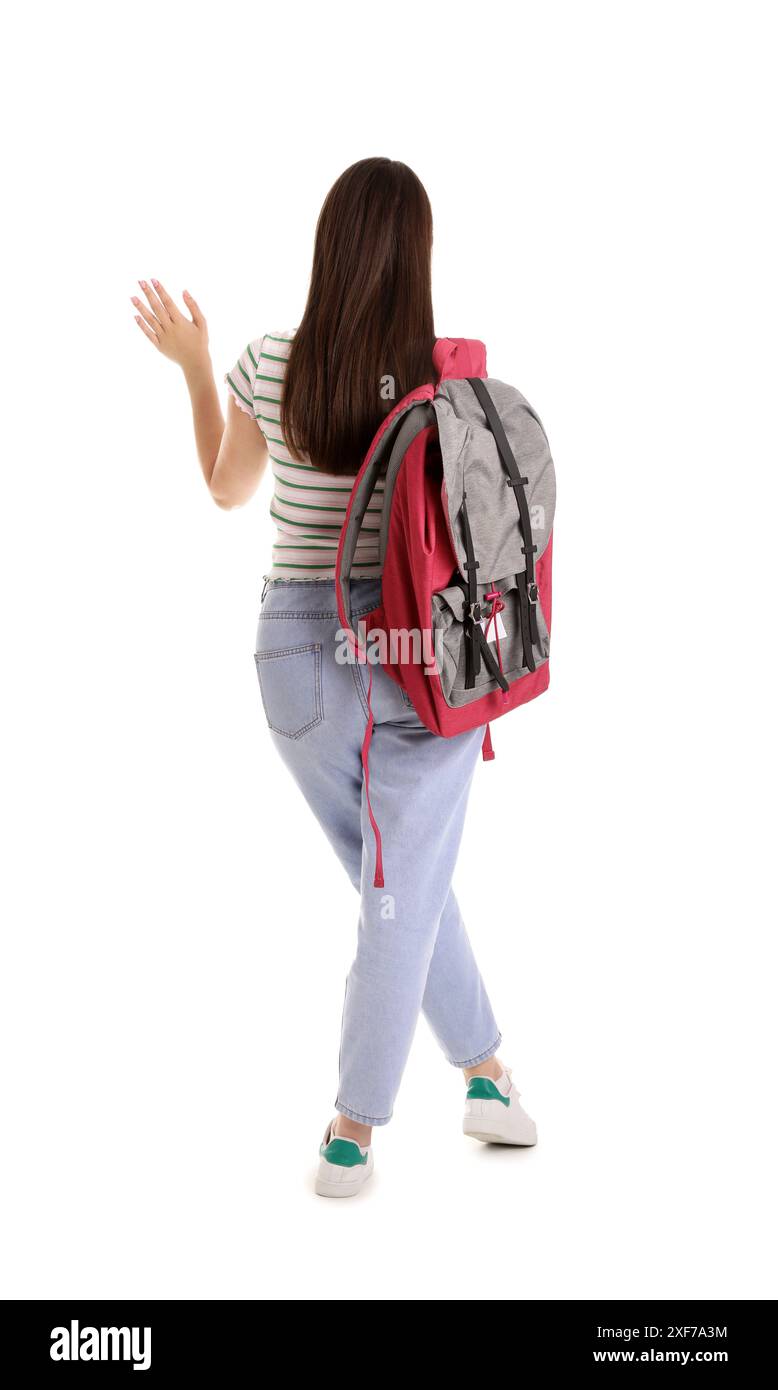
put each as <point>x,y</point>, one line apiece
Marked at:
<point>483,1088</point>
<point>344,1152</point>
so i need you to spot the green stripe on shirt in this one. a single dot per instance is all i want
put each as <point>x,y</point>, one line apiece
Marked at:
<point>238,392</point>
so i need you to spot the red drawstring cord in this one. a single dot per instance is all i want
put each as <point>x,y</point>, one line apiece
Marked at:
<point>378,881</point>
<point>495,598</point>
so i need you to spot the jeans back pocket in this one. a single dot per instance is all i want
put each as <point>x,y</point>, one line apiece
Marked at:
<point>290,686</point>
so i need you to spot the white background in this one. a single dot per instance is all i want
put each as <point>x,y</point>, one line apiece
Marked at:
<point>176,932</point>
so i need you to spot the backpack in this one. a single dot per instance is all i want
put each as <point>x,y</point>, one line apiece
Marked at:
<point>463,624</point>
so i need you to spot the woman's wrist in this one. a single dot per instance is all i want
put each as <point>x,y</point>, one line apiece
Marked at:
<point>198,371</point>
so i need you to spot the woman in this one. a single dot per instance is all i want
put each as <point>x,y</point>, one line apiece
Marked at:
<point>311,402</point>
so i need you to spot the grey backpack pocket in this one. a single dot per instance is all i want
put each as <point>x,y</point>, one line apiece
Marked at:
<point>503,633</point>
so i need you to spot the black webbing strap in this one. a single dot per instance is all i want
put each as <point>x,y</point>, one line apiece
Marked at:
<point>476,646</point>
<point>472,616</point>
<point>489,659</point>
<point>525,608</point>
<point>518,484</point>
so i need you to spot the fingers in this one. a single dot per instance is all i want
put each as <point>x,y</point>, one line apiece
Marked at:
<point>169,304</point>
<point>147,315</point>
<point>149,334</point>
<point>194,308</point>
<point>157,307</point>
<point>162,322</point>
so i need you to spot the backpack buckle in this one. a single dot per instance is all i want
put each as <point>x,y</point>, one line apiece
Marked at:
<point>532,592</point>
<point>473,612</point>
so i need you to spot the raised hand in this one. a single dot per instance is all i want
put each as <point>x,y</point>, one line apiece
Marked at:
<point>183,340</point>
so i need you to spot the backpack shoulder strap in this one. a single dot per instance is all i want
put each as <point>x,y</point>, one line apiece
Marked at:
<point>389,445</point>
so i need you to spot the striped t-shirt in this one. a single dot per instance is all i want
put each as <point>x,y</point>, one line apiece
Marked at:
<point>308,506</point>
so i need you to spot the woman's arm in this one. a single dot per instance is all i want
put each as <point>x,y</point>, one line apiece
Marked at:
<point>232,457</point>
<point>240,461</point>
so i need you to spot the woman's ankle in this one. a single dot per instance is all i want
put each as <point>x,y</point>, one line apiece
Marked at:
<point>344,1128</point>
<point>492,1067</point>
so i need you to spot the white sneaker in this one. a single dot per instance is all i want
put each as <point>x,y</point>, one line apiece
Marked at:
<point>344,1166</point>
<point>493,1113</point>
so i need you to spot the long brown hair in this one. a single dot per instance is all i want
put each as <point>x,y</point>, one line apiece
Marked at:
<point>367,333</point>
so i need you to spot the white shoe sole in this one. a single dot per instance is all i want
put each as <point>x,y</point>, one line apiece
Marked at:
<point>340,1189</point>
<point>489,1131</point>
<point>500,1139</point>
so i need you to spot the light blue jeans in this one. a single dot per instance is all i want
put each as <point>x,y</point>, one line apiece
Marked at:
<point>413,953</point>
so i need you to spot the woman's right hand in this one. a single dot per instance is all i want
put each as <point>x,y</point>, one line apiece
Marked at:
<point>183,340</point>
